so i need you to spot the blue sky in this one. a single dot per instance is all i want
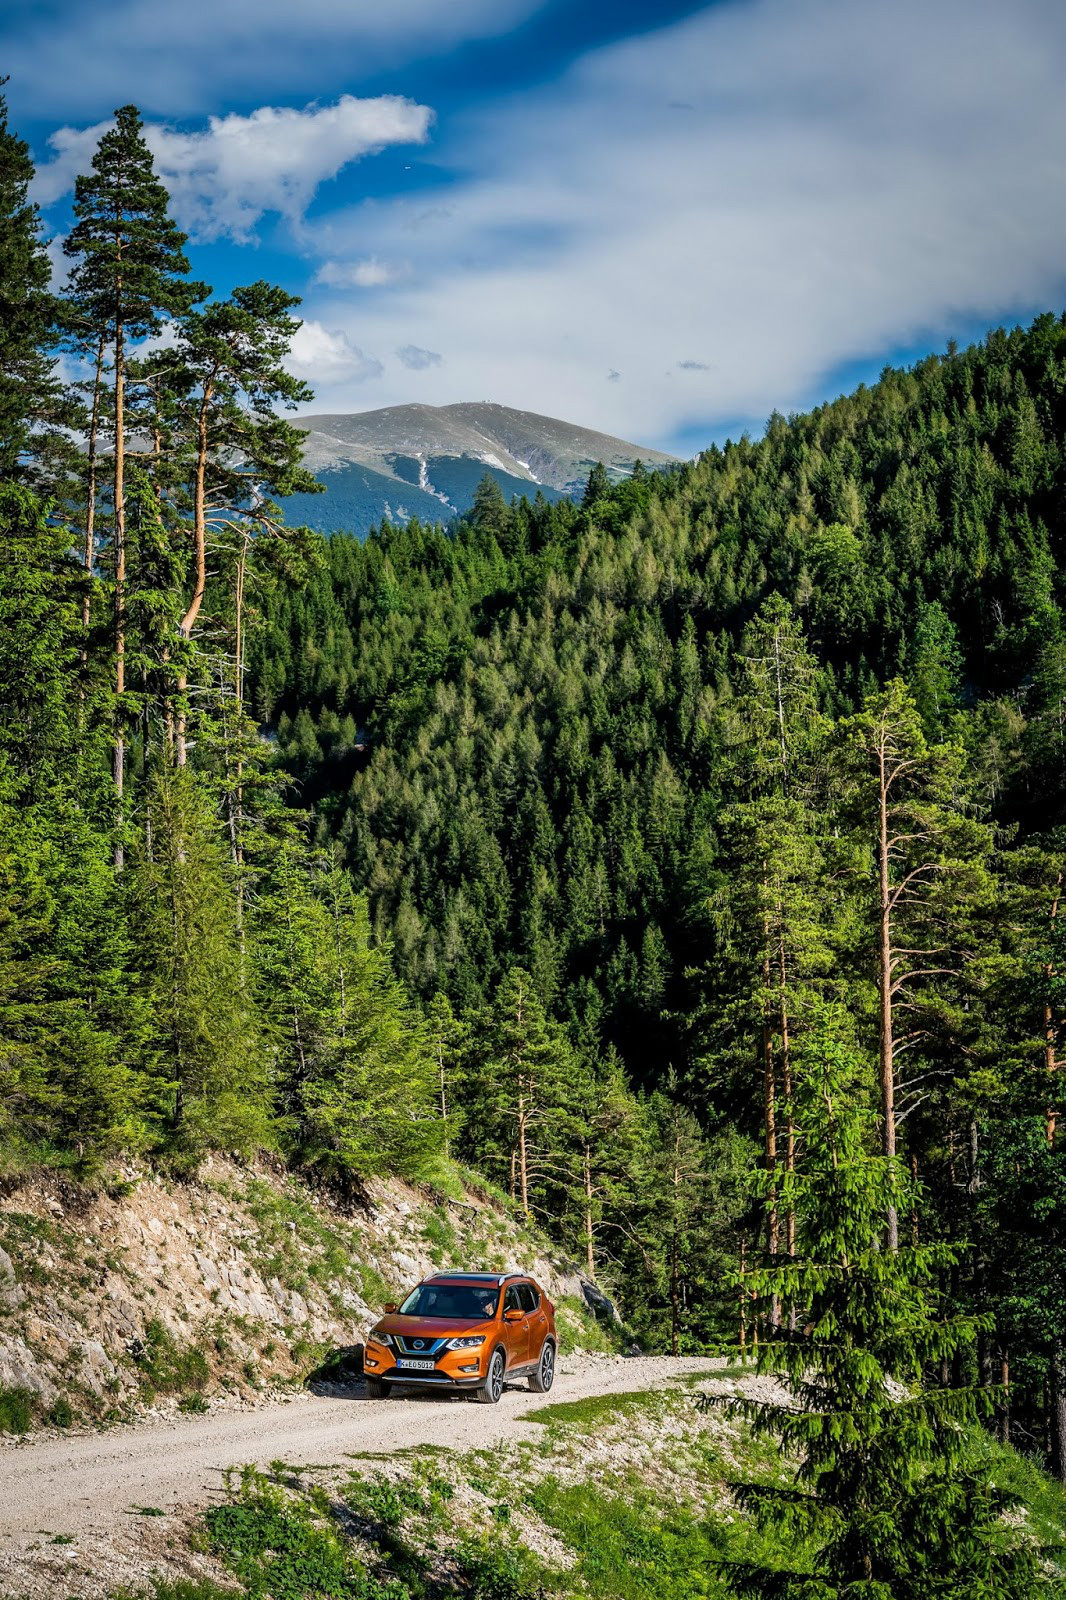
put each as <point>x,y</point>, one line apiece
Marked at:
<point>664,220</point>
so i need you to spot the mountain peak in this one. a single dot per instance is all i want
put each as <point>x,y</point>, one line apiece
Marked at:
<point>425,461</point>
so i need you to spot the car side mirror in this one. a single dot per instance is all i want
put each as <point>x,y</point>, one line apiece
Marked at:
<point>390,1307</point>
<point>514,1315</point>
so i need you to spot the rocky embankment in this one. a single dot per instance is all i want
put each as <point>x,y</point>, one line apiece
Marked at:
<point>152,1295</point>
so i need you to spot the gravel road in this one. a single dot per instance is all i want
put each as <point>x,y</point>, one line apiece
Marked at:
<point>90,1484</point>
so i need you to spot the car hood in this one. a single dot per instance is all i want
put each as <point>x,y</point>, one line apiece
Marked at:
<point>431,1327</point>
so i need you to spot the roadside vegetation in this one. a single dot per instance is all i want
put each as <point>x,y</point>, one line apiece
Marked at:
<point>626,1498</point>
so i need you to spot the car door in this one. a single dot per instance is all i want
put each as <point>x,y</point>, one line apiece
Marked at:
<point>515,1329</point>
<point>538,1318</point>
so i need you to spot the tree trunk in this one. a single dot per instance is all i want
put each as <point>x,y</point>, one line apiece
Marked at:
<point>888,1075</point>
<point>523,1169</point>
<point>119,767</point>
<point>1004,1405</point>
<point>1058,1410</point>
<point>590,1254</point>
<point>1051,1038</point>
<point>90,505</point>
<point>199,532</point>
<point>770,1132</point>
<point>443,1098</point>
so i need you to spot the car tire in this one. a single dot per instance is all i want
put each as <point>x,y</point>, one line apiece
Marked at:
<point>490,1391</point>
<point>541,1380</point>
<point>376,1389</point>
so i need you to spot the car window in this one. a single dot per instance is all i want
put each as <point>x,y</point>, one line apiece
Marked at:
<point>451,1300</point>
<point>529,1297</point>
<point>512,1300</point>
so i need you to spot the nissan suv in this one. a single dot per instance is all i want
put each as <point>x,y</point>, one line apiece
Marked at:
<point>465,1331</point>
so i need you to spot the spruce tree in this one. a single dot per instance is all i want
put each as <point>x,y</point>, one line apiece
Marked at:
<point>212,1082</point>
<point>886,1501</point>
<point>32,406</point>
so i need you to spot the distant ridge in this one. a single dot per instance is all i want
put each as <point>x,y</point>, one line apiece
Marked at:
<point>426,461</point>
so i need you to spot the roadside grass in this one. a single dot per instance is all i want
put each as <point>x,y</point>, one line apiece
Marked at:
<point>578,1329</point>
<point>165,1366</point>
<point>628,1499</point>
<point>17,1407</point>
<point>587,1414</point>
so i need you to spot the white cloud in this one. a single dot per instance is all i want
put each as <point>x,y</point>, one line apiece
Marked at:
<point>225,177</point>
<point>72,59</point>
<point>415,359</point>
<point>783,187</point>
<point>369,273</point>
<point>327,357</point>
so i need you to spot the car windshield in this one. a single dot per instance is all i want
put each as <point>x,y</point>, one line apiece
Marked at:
<point>451,1300</point>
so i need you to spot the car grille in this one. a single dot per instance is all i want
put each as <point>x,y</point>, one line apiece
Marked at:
<point>412,1346</point>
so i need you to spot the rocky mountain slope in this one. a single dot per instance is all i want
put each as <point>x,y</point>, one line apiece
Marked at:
<point>426,461</point>
<point>163,1294</point>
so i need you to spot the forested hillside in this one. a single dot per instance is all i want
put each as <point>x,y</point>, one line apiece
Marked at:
<point>641,747</point>
<point>617,850</point>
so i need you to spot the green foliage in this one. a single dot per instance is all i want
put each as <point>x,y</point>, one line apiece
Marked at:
<point>628,1549</point>
<point>206,1028</point>
<point>16,1409</point>
<point>282,1546</point>
<point>884,1493</point>
<point>166,1366</point>
<point>31,400</point>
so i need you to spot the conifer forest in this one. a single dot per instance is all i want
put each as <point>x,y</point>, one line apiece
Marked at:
<point>613,850</point>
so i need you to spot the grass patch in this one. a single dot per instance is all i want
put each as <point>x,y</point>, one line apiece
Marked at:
<point>289,1547</point>
<point>16,1409</point>
<point>627,1549</point>
<point>1043,1499</point>
<point>579,1330</point>
<point>439,1233</point>
<point>167,1367</point>
<point>589,1413</point>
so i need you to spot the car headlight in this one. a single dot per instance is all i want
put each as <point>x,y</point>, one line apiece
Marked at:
<point>469,1342</point>
<point>380,1338</point>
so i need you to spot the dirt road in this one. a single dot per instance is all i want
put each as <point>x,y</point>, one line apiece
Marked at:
<point>92,1484</point>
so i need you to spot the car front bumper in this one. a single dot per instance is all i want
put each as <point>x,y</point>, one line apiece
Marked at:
<point>381,1362</point>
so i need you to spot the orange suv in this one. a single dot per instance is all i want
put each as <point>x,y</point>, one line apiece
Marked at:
<point>465,1330</point>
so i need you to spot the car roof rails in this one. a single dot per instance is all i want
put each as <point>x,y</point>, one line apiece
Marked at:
<point>474,1277</point>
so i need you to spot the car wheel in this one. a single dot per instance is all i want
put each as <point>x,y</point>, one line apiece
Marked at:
<point>376,1389</point>
<point>541,1380</point>
<point>492,1388</point>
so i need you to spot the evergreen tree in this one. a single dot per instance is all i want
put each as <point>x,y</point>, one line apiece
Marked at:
<point>884,1495</point>
<point>128,273</point>
<point>32,405</point>
<point>212,1080</point>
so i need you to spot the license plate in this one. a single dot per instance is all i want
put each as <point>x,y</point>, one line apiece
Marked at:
<point>420,1366</point>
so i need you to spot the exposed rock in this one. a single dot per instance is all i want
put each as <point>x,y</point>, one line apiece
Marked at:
<point>244,1265</point>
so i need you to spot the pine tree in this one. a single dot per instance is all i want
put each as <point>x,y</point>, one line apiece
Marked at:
<point>930,857</point>
<point>521,1089</point>
<point>32,405</point>
<point>237,453</point>
<point>884,1496</point>
<point>128,273</point>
